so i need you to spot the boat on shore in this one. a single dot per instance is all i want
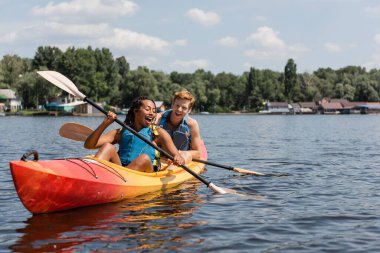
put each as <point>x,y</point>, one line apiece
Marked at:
<point>45,186</point>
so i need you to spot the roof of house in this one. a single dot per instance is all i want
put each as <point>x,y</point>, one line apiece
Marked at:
<point>308,104</point>
<point>338,100</point>
<point>278,104</point>
<point>8,93</point>
<point>369,105</point>
<point>332,106</point>
<point>352,104</point>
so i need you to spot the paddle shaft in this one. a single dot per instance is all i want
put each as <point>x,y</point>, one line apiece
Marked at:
<point>147,141</point>
<point>213,164</point>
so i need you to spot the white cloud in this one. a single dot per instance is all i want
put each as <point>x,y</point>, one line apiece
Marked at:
<point>377,39</point>
<point>247,65</point>
<point>277,55</point>
<point>141,61</point>
<point>97,8</point>
<point>9,37</point>
<point>123,39</point>
<point>332,47</point>
<point>228,41</point>
<point>373,10</point>
<point>202,17</point>
<point>96,35</point>
<point>81,31</point>
<point>271,47</point>
<point>298,48</point>
<point>181,42</point>
<point>374,62</point>
<point>261,18</point>
<point>266,55</point>
<point>352,45</point>
<point>266,37</point>
<point>190,65</point>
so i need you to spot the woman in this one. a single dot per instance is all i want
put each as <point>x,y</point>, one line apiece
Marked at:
<point>133,152</point>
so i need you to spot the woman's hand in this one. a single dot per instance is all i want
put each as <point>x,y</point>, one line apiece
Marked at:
<point>110,118</point>
<point>178,160</point>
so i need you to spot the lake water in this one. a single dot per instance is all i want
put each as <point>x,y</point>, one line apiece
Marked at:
<point>329,200</point>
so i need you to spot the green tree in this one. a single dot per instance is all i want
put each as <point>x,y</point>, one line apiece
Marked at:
<point>183,79</point>
<point>230,90</point>
<point>290,79</point>
<point>122,69</point>
<point>47,57</point>
<point>165,87</point>
<point>13,68</point>
<point>141,82</point>
<point>349,92</point>
<point>253,94</point>
<point>80,66</point>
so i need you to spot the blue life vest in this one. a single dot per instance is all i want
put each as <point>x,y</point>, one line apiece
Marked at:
<point>131,146</point>
<point>181,136</point>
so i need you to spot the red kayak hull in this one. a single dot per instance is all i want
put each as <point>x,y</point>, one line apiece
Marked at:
<point>54,185</point>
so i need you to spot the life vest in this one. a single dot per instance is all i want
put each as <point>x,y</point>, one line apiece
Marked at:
<point>131,146</point>
<point>181,136</point>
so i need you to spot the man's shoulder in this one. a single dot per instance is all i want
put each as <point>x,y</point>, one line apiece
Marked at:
<point>192,122</point>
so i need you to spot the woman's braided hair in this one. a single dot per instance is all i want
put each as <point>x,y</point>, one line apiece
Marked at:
<point>136,104</point>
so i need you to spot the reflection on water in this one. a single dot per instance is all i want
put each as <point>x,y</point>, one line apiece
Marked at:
<point>116,226</point>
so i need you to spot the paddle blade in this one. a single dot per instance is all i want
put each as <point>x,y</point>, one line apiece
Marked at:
<point>53,80</point>
<point>221,190</point>
<point>68,83</point>
<point>62,82</point>
<point>248,172</point>
<point>75,131</point>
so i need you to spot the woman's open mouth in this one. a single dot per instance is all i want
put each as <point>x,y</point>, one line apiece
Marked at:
<point>148,120</point>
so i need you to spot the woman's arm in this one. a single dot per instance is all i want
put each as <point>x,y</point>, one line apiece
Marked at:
<point>96,139</point>
<point>158,118</point>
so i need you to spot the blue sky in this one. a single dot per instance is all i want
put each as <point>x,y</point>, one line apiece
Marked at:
<point>215,35</point>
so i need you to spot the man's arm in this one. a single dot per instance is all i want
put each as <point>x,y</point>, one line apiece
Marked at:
<point>195,138</point>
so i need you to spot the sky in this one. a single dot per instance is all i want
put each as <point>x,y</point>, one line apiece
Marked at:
<point>215,35</point>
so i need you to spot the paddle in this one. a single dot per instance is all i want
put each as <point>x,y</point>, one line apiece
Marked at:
<point>75,131</point>
<point>78,132</point>
<point>229,167</point>
<point>67,85</point>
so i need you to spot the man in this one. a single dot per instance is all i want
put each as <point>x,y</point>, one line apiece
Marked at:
<point>183,129</point>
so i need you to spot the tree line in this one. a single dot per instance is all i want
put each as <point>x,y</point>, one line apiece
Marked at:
<point>104,78</point>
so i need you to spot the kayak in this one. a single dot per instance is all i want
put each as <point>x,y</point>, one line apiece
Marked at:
<point>45,186</point>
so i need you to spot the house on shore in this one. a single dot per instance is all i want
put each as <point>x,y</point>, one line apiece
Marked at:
<point>82,108</point>
<point>295,108</point>
<point>330,108</point>
<point>308,107</point>
<point>276,108</point>
<point>351,107</point>
<point>64,105</point>
<point>368,107</point>
<point>9,100</point>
